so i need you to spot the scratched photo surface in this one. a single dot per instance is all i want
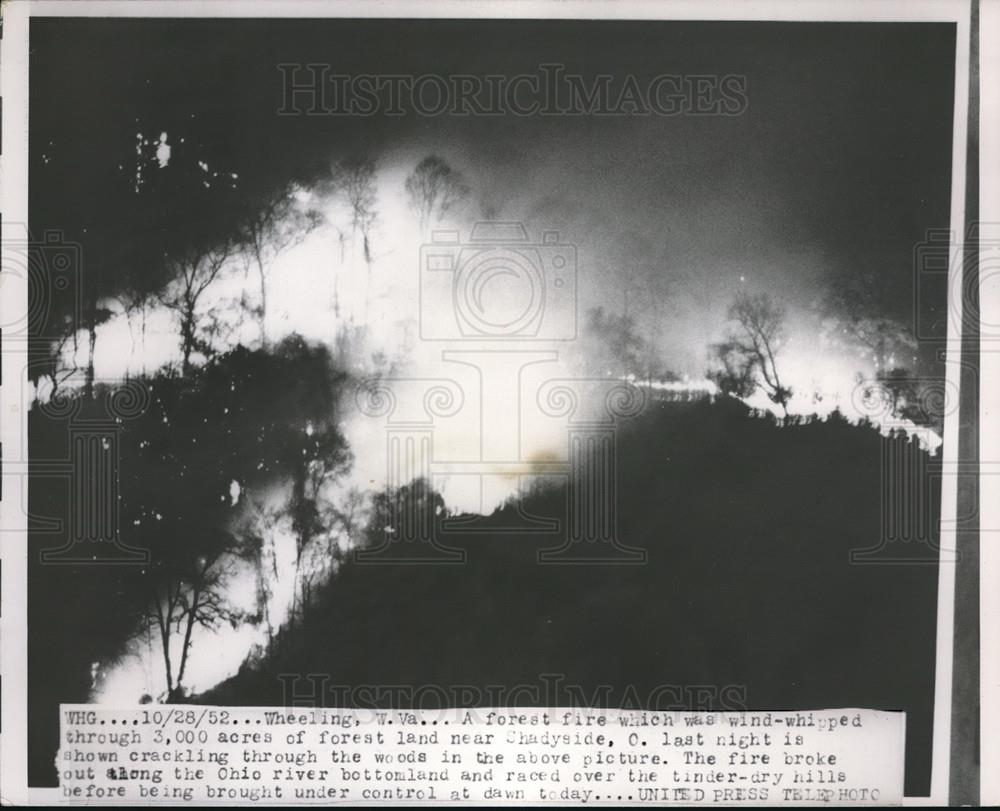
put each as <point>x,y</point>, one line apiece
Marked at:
<point>527,363</point>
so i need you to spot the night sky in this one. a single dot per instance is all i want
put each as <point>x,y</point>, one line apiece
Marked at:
<point>835,171</point>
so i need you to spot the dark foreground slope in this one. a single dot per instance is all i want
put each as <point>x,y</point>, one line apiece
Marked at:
<point>749,597</point>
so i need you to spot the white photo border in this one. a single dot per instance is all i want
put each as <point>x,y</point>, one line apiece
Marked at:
<point>14,65</point>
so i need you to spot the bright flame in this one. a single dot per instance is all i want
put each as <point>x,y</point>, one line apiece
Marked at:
<point>323,289</point>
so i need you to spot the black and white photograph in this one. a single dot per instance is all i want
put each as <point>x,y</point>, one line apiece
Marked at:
<point>575,403</point>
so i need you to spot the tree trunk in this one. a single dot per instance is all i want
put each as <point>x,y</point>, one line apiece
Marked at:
<point>131,338</point>
<point>143,340</point>
<point>336,296</point>
<point>164,626</point>
<point>187,340</point>
<point>263,298</point>
<point>92,337</point>
<point>192,613</point>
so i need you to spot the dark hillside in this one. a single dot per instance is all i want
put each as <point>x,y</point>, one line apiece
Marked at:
<point>724,597</point>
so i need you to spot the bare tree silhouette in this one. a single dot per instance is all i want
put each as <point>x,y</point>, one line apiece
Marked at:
<point>354,178</point>
<point>433,187</point>
<point>194,271</point>
<point>748,355</point>
<point>187,591</point>
<point>271,225</point>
